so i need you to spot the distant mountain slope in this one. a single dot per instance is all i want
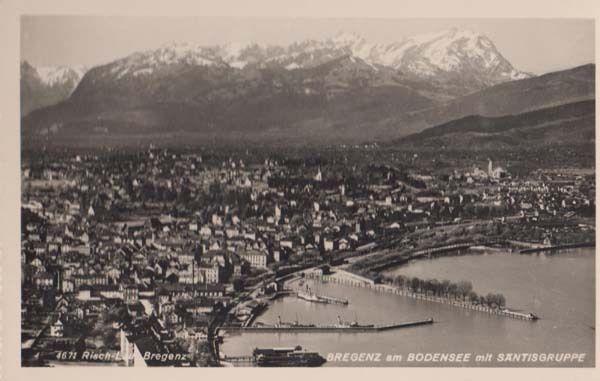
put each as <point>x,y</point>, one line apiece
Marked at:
<point>336,102</point>
<point>572,123</point>
<point>339,90</point>
<point>46,86</point>
<point>515,97</point>
<point>546,90</point>
<point>217,99</point>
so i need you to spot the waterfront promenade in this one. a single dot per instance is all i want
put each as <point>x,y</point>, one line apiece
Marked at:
<point>354,280</point>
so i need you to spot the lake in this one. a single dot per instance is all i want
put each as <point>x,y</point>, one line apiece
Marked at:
<point>559,288</point>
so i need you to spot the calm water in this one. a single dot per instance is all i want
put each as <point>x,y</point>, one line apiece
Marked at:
<point>559,288</point>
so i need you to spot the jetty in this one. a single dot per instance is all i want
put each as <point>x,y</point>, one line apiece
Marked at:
<point>354,280</point>
<point>339,327</point>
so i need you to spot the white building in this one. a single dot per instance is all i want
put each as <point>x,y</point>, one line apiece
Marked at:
<point>256,259</point>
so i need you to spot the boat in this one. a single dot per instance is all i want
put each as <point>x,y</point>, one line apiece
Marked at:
<point>295,324</point>
<point>310,296</point>
<point>354,324</point>
<point>293,357</point>
<point>520,315</point>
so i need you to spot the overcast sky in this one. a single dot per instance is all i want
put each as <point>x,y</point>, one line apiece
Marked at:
<point>533,45</point>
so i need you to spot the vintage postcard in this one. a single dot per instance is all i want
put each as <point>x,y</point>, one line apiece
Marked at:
<point>334,192</point>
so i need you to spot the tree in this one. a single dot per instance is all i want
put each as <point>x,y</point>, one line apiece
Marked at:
<point>453,290</point>
<point>501,300</point>
<point>414,284</point>
<point>491,300</point>
<point>463,288</point>
<point>399,281</point>
<point>473,297</point>
<point>445,286</point>
<point>435,286</point>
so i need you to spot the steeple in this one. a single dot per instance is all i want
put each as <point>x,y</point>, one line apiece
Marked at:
<point>319,176</point>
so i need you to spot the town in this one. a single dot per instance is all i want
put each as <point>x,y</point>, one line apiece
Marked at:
<point>138,258</point>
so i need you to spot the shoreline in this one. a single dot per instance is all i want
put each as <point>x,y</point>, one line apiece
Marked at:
<point>452,250</point>
<point>558,247</point>
<point>389,289</point>
<point>358,280</point>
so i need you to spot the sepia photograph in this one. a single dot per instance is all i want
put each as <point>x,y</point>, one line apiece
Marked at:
<point>307,192</point>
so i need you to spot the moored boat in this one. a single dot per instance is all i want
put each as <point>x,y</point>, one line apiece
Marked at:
<point>281,357</point>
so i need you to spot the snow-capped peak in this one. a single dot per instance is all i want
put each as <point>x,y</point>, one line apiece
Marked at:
<point>232,53</point>
<point>444,52</point>
<point>182,52</point>
<point>354,44</point>
<point>347,38</point>
<point>233,50</point>
<point>447,53</point>
<point>429,54</point>
<point>145,63</point>
<point>53,75</point>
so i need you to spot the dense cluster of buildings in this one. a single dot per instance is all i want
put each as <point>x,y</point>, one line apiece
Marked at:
<point>123,252</point>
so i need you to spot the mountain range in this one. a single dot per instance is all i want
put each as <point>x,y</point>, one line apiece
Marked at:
<point>341,89</point>
<point>46,86</point>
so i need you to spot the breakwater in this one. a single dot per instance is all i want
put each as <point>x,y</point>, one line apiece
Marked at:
<point>329,328</point>
<point>354,280</point>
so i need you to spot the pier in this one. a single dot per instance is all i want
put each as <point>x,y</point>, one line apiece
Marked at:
<point>350,279</point>
<point>310,328</point>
